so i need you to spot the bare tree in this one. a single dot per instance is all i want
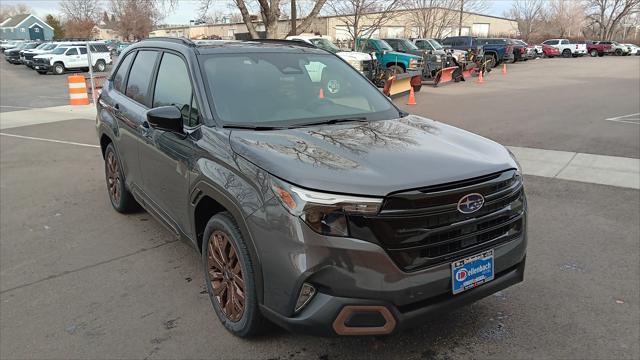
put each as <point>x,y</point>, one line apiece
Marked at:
<point>7,11</point>
<point>566,18</point>
<point>135,19</point>
<point>605,16</point>
<point>435,18</point>
<point>528,14</point>
<point>80,16</point>
<point>270,12</point>
<point>363,17</point>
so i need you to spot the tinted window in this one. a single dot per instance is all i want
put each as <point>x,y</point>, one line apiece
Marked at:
<point>140,76</point>
<point>173,86</point>
<point>83,50</point>
<point>447,41</point>
<point>121,75</point>
<point>72,51</point>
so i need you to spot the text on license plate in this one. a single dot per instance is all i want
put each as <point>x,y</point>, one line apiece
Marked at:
<point>471,272</point>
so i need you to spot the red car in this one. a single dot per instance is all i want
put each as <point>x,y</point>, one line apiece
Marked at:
<point>550,51</point>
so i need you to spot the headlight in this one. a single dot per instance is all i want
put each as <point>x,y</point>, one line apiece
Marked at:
<point>518,166</point>
<point>413,63</point>
<point>357,64</point>
<point>325,213</point>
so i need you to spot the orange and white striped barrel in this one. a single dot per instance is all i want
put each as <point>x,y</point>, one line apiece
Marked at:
<point>77,90</point>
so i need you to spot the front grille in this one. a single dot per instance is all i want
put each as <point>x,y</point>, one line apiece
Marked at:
<point>423,227</point>
<point>29,56</point>
<point>41,61</point>
<point>367,65</point>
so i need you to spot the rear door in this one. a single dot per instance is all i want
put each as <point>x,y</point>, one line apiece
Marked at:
<point>128,102</point>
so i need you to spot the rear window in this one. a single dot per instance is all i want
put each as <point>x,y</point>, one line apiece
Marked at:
<point>99,48</point>
<point>140,76</point>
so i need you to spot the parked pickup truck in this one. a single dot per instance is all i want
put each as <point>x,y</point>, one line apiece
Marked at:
<point>65,58</point>
<point>616,48</point>
<point>567,48</point>
<point>494,53</point>
<point>389,59</point>
<point>595,48</point>
<point>362,62</point>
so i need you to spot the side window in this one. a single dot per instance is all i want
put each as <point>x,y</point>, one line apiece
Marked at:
<point>72,51</point>
<point>83,50</point>
<point>140,76</point>
<point>565,42</point>
<point>446,41</point>
<point>173,86</point>
<point>121,75</point>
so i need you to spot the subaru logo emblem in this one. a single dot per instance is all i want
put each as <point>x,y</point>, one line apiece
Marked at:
<point>470,203</point>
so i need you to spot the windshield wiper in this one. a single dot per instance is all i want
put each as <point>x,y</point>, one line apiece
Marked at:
<point>251,127</point>
<point>336,121</point>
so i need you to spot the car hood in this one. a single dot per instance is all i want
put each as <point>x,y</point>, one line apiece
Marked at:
<point>354,55</point>
<point>374,158</point>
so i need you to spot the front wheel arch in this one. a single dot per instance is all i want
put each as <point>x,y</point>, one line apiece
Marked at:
<point>222,202</point>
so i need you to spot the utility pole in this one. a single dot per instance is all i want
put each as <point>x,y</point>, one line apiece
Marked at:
<point>460,24</point>
<point>294,15</point>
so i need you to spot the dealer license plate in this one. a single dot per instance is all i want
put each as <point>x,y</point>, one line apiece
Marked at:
<point>472,272</point>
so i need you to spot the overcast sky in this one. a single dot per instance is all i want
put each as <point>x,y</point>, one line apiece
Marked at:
<point>188,9</point>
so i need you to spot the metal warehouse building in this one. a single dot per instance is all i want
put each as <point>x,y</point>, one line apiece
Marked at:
<point>401,25</point>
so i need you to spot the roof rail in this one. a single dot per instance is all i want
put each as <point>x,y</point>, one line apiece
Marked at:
<point>181,40</point>
<point>284,42</point>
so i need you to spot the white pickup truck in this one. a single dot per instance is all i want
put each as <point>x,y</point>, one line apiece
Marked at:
<point>567,49</point>
<point>360,61</point>
<point>73,57</point>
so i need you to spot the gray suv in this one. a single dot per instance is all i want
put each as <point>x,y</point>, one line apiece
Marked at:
<point>315,202</point>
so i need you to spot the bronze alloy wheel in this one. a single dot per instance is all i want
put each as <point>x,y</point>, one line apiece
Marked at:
<point>225,275</point>
<point>113,177</point>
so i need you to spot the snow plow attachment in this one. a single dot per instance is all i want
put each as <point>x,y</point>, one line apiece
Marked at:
<point>444,75</point>
<point>400,84</point>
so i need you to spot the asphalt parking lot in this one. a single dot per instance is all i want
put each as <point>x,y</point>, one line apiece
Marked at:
<point>78,280</point>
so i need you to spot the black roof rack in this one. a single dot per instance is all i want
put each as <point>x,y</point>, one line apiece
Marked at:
<point>181,40</point>
<point>284,42</point>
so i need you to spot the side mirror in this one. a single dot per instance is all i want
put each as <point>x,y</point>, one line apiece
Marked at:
<point>168,118</point>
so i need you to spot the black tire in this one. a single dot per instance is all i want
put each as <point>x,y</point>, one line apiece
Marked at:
<point>395,69</point>
<point>618,52</point>
<point>490,60</point>
<point>594,53</point>
<point>100,66</point>
<point>251,322</point>
<point>600,54</point>
<point>122,201</point>
<point>566,53</point>
<point>58,68</point>
<point>42,72</point>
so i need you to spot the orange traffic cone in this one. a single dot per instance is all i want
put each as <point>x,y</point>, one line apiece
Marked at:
<point>504,69</point>
<point>321,95</point>
<point>480,77</point>
<point>412,97</point>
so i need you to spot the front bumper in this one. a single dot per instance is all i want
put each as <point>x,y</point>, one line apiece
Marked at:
<point>321,316</point>
<point>13,59</point>
<point>41,66</point>
<point>352,272</point>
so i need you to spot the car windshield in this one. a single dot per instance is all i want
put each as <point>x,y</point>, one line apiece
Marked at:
<point>289,89</point>
<point>59,50</point>
<point>20,46</point>
<point>49,47</point>
<point>31,46</point>
<point>382,45</point>
<point>325,44</point>
<point>41,46</point>
<point>436,45</point>
<point>409,45</point>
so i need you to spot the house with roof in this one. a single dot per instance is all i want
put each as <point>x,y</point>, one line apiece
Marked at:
<point>25,27</point>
